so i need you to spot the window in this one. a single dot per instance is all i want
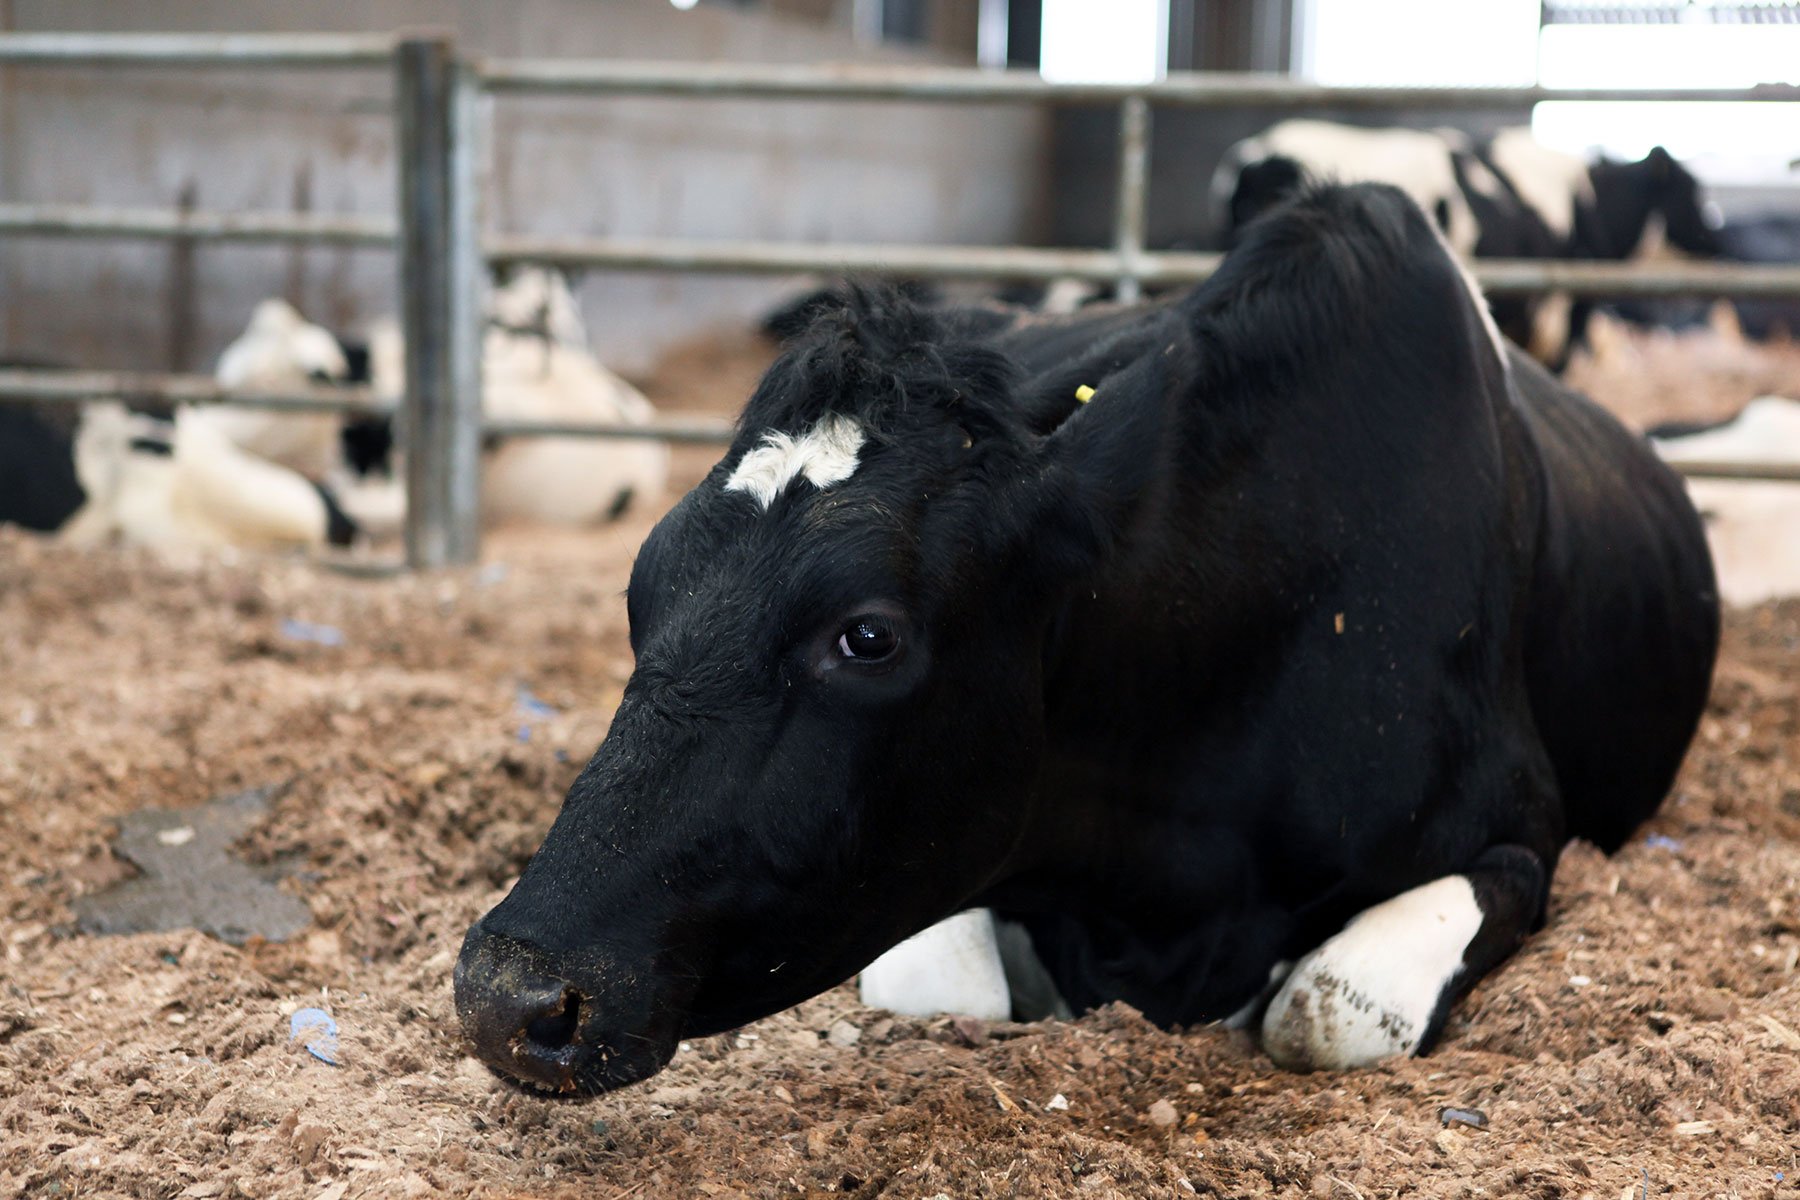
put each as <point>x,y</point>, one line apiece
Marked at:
<point>1122,41</point>
<point>1465,43</point>
<point>1698,45</point>
<point>1586,43</point>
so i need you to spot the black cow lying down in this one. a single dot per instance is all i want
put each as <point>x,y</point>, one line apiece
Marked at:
<point>1313,636</point>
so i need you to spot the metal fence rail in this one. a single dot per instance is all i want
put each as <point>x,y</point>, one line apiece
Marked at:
<point>211,50</point>
<point>440,136</point>
<point>18,386</point>
<point>1701,468</point>
<point>173,224</point>
<point>1202,89</point>
<point>47,386</point>
<point>1496,275</point>
<point>35,386</point>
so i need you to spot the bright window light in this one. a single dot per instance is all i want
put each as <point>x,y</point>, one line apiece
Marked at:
<point>1497,43</point>
<point>1722,143</point>
<point>684,5</point>
<point>1104,41</point>
<point>1401,43</point>
<point>1669,56</point>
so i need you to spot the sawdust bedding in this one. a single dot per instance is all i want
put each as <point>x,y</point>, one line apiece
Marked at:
<point>1647,1042</point>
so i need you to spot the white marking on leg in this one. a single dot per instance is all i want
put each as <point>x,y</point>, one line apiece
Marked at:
<point>824,455</point>
<point>1550,326</point>
<point>1653,243</point>
<point>1368,993</point>
<point>951,968</point>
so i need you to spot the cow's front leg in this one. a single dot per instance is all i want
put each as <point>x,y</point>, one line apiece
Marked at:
<point>1384,985</point>
<point>952,967</point>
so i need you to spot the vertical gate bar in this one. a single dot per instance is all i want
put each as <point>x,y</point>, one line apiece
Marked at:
<point>441,428</point>
<point>468,298</point>
<point>1134,171</point>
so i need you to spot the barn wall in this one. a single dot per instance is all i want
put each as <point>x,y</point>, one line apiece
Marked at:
<point>323,142</point>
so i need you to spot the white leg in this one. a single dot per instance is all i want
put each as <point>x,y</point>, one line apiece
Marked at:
<point>1371,991</point>
<point>953,967</point>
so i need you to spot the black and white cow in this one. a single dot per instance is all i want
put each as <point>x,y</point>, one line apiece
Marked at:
<point>351,455</point>
<point>39,489</point>
<point>112,474</point>
<point>1508,196</point>
<point>1765,238</point>
<point>1309,634</point>
<point>1750,524</point>
<point>280,350</point>
<point>536,366</point>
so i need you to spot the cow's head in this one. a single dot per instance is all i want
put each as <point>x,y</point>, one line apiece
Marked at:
<point>1627,195</point>
<point>833,730</point>
<point>281,348</point>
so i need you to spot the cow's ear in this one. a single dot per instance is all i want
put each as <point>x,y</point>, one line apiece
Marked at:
<point>1103,464</point>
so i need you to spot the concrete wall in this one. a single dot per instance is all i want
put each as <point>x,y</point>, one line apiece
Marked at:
<point>323,142</point>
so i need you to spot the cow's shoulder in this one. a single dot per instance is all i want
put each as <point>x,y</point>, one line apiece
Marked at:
<point>1340,271</point>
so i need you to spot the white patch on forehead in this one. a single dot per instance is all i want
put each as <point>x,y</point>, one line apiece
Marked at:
<point>823,455</point>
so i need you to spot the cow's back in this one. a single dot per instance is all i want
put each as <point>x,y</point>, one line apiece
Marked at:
<point>38,486</point>
<point>1272,165</point>
<point>1624,622</point>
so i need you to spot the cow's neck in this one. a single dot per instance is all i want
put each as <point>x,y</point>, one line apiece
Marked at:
<point>1612,224</point>
<point>1142,669</point>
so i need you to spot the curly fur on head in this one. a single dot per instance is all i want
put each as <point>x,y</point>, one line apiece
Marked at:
<point>890,364</point>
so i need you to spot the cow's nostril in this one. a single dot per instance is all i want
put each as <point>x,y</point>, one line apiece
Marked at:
<point>555,1030</point>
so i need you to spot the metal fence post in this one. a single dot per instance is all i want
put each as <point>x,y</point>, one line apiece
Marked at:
<point>1134,171</point>
<point>440,278</point>
<point>469,290</point>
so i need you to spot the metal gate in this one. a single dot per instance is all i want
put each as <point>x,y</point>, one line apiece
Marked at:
<point>440,112</point>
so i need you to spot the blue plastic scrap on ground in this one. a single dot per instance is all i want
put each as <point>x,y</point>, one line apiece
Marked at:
<point>314,1029</point>
<point>306,631</point>
<point>1657,841</point>
<point>532,709</point>
<point>531,706</point>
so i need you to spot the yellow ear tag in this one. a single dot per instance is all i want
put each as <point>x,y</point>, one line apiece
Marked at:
<point>1083,394</point>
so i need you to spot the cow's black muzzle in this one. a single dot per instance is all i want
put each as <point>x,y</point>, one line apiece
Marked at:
<point>556,1023</point>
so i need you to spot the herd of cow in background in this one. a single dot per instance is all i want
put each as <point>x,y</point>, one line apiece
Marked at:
<point>218,476</point>
<point>223,476</point>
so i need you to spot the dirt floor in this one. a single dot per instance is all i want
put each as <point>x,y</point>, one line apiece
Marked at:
<point>1705,373</point>
<point>1646,1043</point>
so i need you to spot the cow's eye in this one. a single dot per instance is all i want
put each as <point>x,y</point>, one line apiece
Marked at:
<point>868,639</point>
